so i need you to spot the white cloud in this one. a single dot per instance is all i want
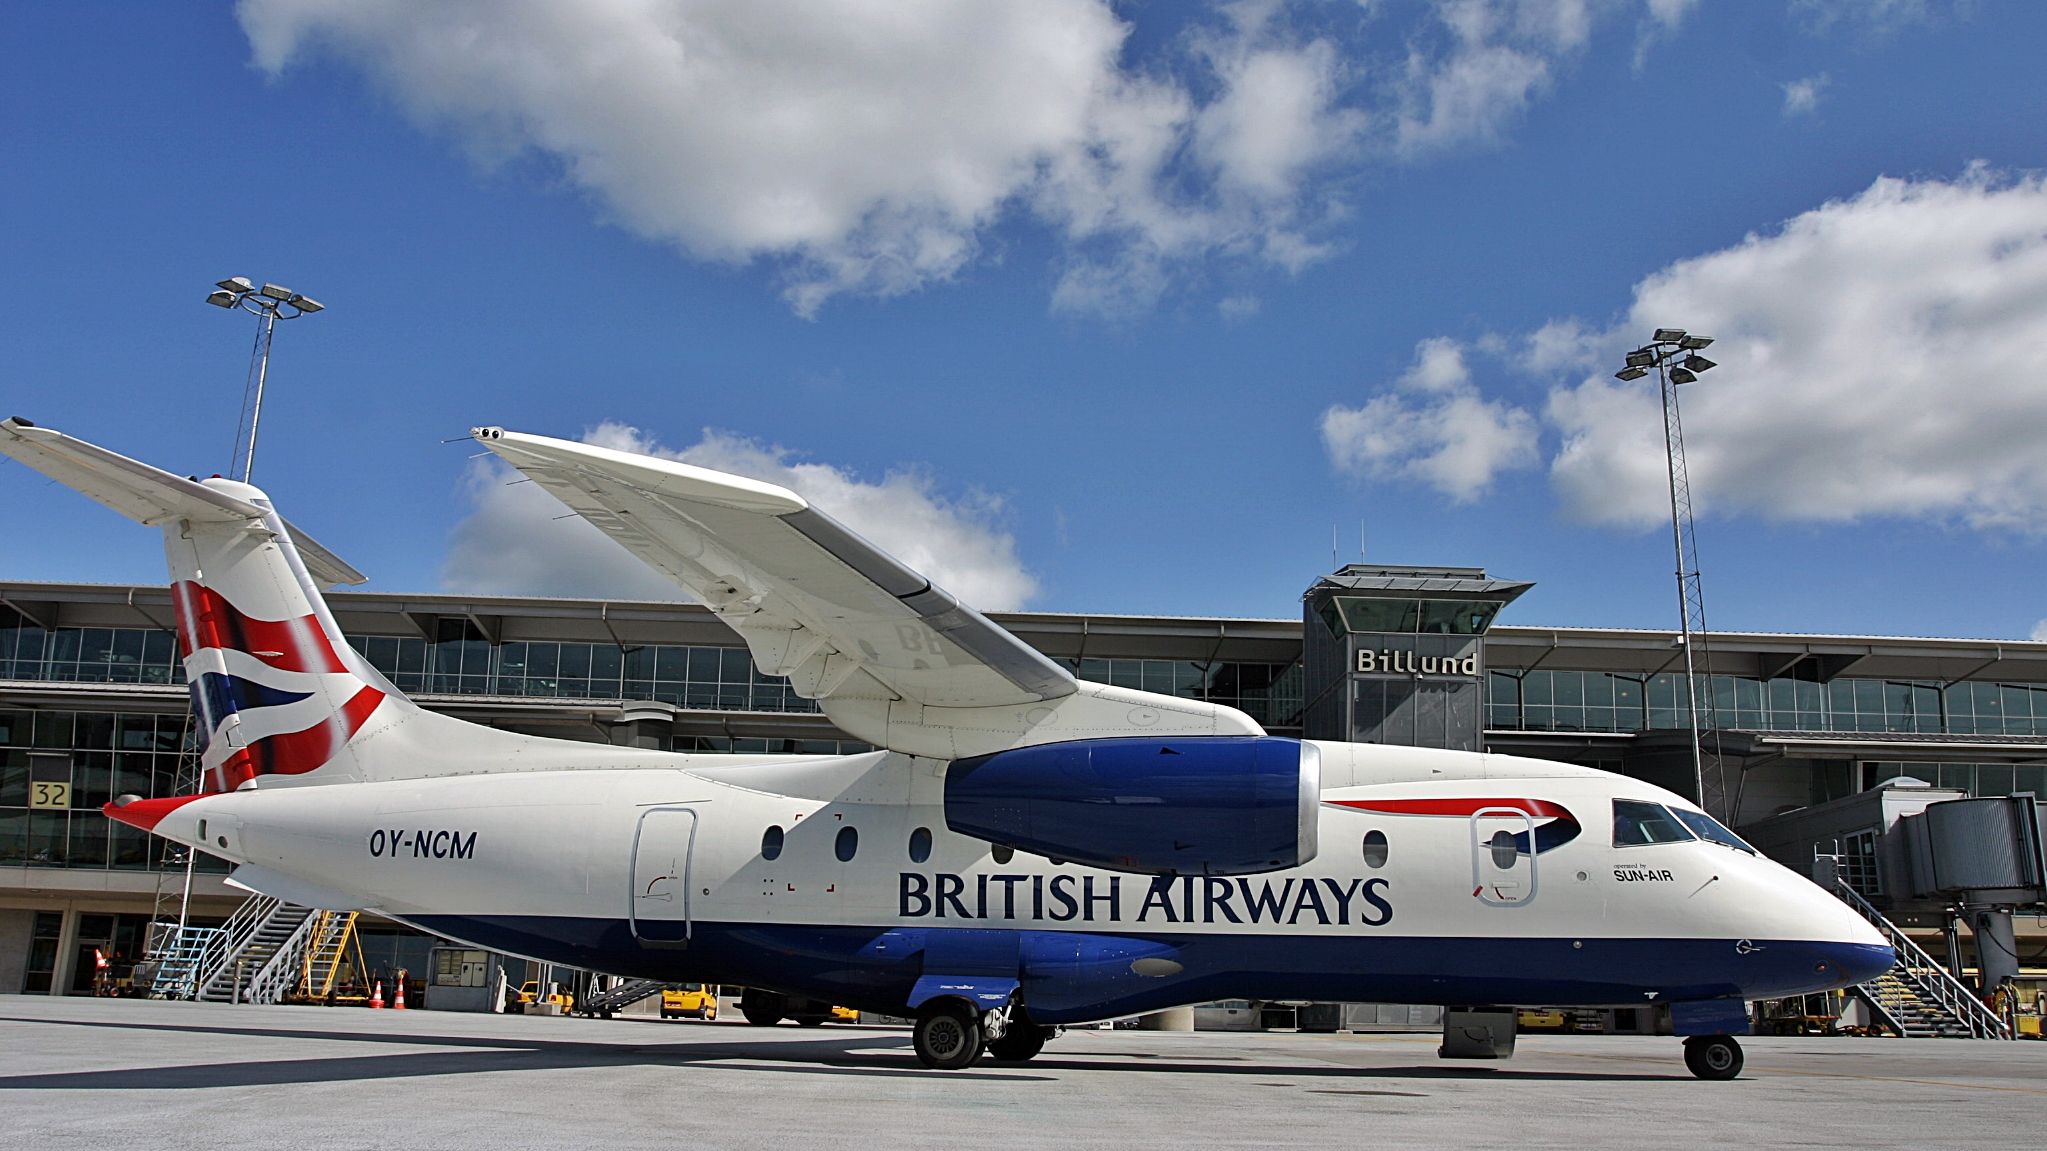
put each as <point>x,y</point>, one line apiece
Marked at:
<point>2039,632</point>
<point>1237,309</point>
<point>1802,97</point>
<point>515,541</point>
<point>1873,17</point>
<point>856,148</point>
<point>1878,357</point>
<point>1433,428</point>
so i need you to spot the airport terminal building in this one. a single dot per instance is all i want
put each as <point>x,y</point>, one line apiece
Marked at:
<point>93,706</point>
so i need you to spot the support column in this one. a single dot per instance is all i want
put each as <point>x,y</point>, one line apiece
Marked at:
<point>1997,948</point>
<point>67,953</point>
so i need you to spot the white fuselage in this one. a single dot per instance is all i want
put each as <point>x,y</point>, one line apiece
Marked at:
<point>662,872</point>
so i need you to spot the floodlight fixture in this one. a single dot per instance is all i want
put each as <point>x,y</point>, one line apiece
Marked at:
<point>1641,358</point>
<point>1683,376</point>
<point>222,299</point>
<point>308,304</point>
<point>1698,363</point>
<point>237,284</point>
<point>1668,336</point>
<point>276,291</point>
<point>1631,372</point>
<point>1694,343</point>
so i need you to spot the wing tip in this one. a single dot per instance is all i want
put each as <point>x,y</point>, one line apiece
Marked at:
<point>663,475</point>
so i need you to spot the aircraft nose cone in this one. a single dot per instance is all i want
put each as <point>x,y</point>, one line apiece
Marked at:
<point>1853,963</point>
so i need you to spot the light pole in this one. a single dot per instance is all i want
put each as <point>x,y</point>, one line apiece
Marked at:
<point>269,303</point>
<point>1674,354</point>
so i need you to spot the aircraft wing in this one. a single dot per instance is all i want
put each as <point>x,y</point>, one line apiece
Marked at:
<point>813,600</point>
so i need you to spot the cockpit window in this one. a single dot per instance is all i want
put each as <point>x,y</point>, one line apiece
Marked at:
<point>1636,823</point>
<point>1709,829</point>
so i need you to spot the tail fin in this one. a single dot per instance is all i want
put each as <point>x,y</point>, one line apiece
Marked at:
<point>276,690</point>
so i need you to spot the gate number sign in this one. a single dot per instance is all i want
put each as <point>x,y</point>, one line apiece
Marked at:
<point>50,795</point>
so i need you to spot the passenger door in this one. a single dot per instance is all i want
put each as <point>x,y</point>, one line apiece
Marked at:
<point>660,902</point>
<point>1503,856</point>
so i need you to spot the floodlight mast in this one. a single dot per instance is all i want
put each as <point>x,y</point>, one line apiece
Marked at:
<point>1673,352</point>
<point>269,303</point>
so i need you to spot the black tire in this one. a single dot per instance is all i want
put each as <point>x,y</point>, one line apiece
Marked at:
<point>760,1016</point>
<point>1022,1041</point>
<point>810,1021</point>
<point>1713,1057</point>
<point>948,1037</point>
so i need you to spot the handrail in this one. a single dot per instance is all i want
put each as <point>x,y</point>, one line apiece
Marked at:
<point>1927,975</point>
<point>182,960</point>
<point>235,935</point>
<point>279,974</point>
<point>326,946</point>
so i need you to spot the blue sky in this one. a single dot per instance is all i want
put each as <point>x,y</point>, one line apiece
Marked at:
<point>1119,309</point>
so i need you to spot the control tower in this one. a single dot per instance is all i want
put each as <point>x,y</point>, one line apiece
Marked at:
<point>1397,654</point>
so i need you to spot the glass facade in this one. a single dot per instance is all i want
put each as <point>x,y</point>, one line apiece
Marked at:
<point>1983,779</point>
<point>1268,692</point>
<point>1606,702</point>
<point>99,755</point>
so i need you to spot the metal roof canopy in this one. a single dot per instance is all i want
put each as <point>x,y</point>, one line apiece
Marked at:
<point>1390,581</point>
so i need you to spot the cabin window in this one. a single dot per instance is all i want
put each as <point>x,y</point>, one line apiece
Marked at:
<point>1003,853</point>
<point>1636,823</point>
<point>846,845</point>
<point>920,845</point>
<point>1375,848</point>
<point>1504,851</point>
<point>771,843</point>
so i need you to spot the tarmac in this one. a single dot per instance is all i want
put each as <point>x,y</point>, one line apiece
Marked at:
<point>117,1074</point>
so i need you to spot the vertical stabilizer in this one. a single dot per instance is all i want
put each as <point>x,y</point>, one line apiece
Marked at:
<point>276,690</point>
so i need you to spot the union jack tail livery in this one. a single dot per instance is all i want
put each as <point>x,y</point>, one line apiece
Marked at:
<point>275,688</point>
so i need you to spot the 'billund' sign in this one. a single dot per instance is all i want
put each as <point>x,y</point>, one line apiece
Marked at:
<point>1408,663</point>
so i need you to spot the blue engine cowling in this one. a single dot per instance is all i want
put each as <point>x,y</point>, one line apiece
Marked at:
<point>1199,805</point>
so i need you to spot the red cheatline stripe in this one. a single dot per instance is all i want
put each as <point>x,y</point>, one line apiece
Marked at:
<point>1539,808</point>
<point>206,619</point>
<point>146,813</point>
<point>298,752</point>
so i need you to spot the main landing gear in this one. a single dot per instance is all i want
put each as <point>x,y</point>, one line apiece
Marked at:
<point>1713,1056</point>
<point>951,1035</point>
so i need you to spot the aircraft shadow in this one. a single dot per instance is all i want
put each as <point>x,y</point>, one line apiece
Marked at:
<point>886,1056</point>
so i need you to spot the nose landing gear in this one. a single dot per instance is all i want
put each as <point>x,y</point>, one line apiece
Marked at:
<point>1715,1057</point>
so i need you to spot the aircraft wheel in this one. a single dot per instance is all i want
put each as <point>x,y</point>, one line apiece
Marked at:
<point>1713,1056</point>
<point>760,1016</point>
<point>1020,1042</point>
<point>810,1021</point>
<point>948,1037</point>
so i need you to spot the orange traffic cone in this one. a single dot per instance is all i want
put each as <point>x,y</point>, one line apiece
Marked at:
<point>398,1004</point>
<point>377,995</point>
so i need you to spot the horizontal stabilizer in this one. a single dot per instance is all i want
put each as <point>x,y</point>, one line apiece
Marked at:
<point>142,493</point>
<point>326,568</point>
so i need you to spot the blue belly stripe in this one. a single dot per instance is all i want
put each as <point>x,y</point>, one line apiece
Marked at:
<point>1071,977</point>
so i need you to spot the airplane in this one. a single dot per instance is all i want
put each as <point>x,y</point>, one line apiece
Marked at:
<point>1025,850</point>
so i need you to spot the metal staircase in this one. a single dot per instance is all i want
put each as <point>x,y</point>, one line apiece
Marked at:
<point>1918,997</point>
<point>182,957</point>
<point>259,959</point>
<point>329,938</point>
<point>625,994</point>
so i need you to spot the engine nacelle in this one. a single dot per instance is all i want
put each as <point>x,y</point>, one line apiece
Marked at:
<point>1193,805</point>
